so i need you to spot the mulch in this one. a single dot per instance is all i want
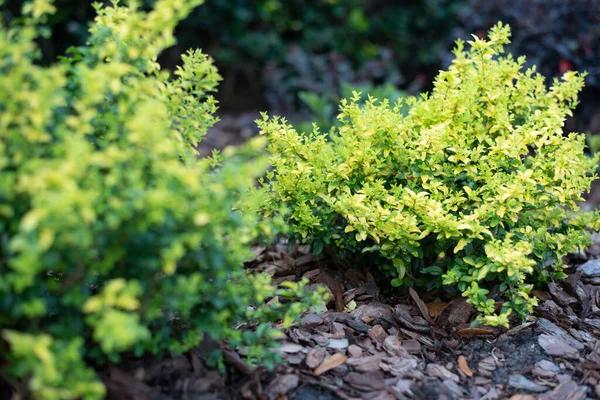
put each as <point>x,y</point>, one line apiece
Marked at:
<point>412,346</point>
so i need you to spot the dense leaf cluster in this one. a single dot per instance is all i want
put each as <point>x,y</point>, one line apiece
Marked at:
<point>114,237</point>
<point>469,186</point>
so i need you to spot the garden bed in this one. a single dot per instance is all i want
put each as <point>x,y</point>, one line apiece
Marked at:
<point>414,346</point>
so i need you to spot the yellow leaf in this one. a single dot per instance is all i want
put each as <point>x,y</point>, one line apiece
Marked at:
<point>461,245</point>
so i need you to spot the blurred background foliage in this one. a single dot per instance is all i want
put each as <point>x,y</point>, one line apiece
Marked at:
<point>299,57</point>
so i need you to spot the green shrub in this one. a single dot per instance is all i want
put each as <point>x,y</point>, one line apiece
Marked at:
<point>470,186</point>
<point>114,237</point>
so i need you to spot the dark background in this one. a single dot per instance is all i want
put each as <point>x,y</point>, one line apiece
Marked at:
<point>271,51</point>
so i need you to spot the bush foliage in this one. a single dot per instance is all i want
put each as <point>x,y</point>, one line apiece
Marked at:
<point>114,237</point>
<point>469,186</point>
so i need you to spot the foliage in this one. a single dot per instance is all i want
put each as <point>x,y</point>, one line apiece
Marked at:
<point>280,42</point>
<point>114,237</point>
<point>469,186</point>
<point>315,45</point>
<point>323,107</point>
<point>554,35</point>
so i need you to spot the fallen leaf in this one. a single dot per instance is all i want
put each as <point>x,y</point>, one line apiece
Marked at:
<point>330,363</point>
<point>464,367</point>
<point>420,304</point>
<point>435,308</point>
<point>457,312</point>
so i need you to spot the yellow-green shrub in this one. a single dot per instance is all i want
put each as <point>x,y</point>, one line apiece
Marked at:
<point>471,185</point>
<point>113,236</point>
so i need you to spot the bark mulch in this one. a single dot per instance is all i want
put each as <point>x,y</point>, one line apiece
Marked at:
<point>415,346</point>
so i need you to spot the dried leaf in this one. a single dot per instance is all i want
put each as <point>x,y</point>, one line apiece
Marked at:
<point>330,363</point>
<point>420,304</point>
<point>474,332</point>
<point>464,367</point>
<point>435,308</point>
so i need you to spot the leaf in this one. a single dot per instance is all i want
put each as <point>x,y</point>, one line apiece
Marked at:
<point>461,245</point>
<point>330,363</point>
<point>435,308</point>
<point>474,332</point>
<point>464,367</point>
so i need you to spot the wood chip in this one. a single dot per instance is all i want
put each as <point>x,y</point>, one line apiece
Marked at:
<point>464,367</point>
<point>366,381</point>
<point>290,348</point>
<point>438,371</point>
<point>281,385</point>
<point>315,357</point>
<point>330,363</point>
<point>557,346</point>
<point>354,351</point>
<point>364,364</point>
<point>520,382</point>
<point>412,346</point>
<point>377,333</point>
<point>392,345</point>
<point>338,344</point>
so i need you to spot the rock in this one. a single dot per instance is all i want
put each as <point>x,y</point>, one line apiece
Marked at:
<point>315,357</point>
<point>281,385</point>
<point>354,351</point>
<point>556,346</point>
<point>438,371</point>
<point>520,382</point>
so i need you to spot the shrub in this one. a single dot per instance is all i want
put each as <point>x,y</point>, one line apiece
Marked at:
<point>114,237</point>
<point>470,186</point>
<point>556,37</point>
